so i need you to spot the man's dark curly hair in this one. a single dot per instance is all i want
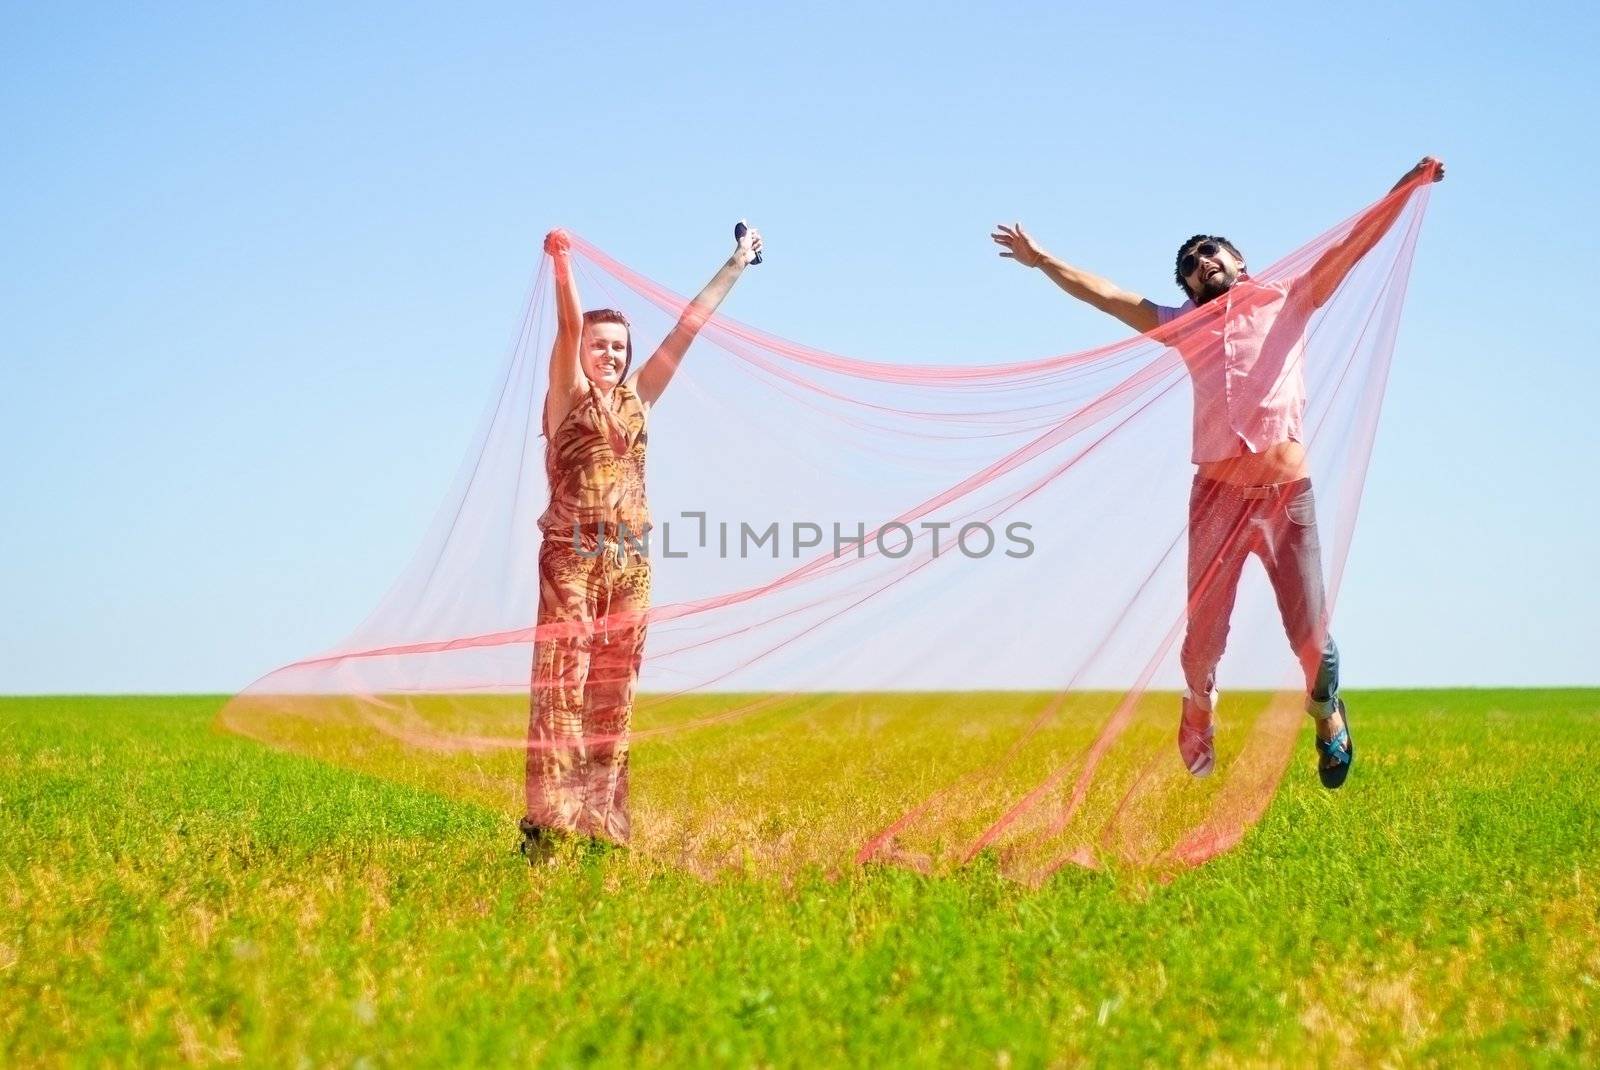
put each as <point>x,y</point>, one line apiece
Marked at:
<point>1177,268</point>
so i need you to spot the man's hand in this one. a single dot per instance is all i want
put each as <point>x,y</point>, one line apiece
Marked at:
<point>1016,244</point>
<point>748,247</point>
<point>1427,163</point>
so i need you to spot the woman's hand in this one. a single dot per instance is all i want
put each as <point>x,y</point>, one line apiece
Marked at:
<point>748,247</point>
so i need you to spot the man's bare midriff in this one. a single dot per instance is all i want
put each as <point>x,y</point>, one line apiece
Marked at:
<point>1284,462</point>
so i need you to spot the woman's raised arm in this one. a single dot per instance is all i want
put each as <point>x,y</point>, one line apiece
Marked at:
<point>657,372</point>
<point>566,370</point>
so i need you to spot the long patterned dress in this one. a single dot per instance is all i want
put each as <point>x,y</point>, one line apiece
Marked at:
<point>594,579</point>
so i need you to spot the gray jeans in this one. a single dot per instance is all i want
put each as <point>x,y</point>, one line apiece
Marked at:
<point>1279,525</point>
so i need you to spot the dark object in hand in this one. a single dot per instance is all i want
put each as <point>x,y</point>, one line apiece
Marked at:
<point>739,230</point>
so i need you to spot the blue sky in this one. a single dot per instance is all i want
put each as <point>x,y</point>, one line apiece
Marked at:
<point>262,264</point>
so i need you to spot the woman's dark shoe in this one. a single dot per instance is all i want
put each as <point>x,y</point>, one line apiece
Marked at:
<point>598,848</point>
<point>539,844</point>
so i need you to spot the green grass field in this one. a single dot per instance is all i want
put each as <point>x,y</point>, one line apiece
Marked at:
<point>174,893</point>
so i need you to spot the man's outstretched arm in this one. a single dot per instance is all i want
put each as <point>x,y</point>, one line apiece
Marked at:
<point>1328,272</point>
<point>1137,312</point>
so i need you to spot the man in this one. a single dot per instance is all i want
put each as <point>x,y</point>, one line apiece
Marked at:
<point>1252,492</point>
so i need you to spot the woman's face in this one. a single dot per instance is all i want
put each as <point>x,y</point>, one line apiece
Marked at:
<point>604,353</point>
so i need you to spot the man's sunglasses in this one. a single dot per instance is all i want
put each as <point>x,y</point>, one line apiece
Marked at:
<point>1191,260</point>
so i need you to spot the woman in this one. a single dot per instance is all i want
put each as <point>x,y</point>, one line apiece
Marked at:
<point>594,575</point>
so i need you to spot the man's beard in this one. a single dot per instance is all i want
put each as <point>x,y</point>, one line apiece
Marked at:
<point>1212,286</point>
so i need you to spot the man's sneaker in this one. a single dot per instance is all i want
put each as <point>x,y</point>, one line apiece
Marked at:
<point>1196,736</point>
<point>1335,756</point>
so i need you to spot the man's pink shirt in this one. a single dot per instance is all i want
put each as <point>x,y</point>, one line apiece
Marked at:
<point>1245,352</point>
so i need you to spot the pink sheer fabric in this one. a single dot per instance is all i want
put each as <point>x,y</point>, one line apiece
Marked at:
<point>827,526</point>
